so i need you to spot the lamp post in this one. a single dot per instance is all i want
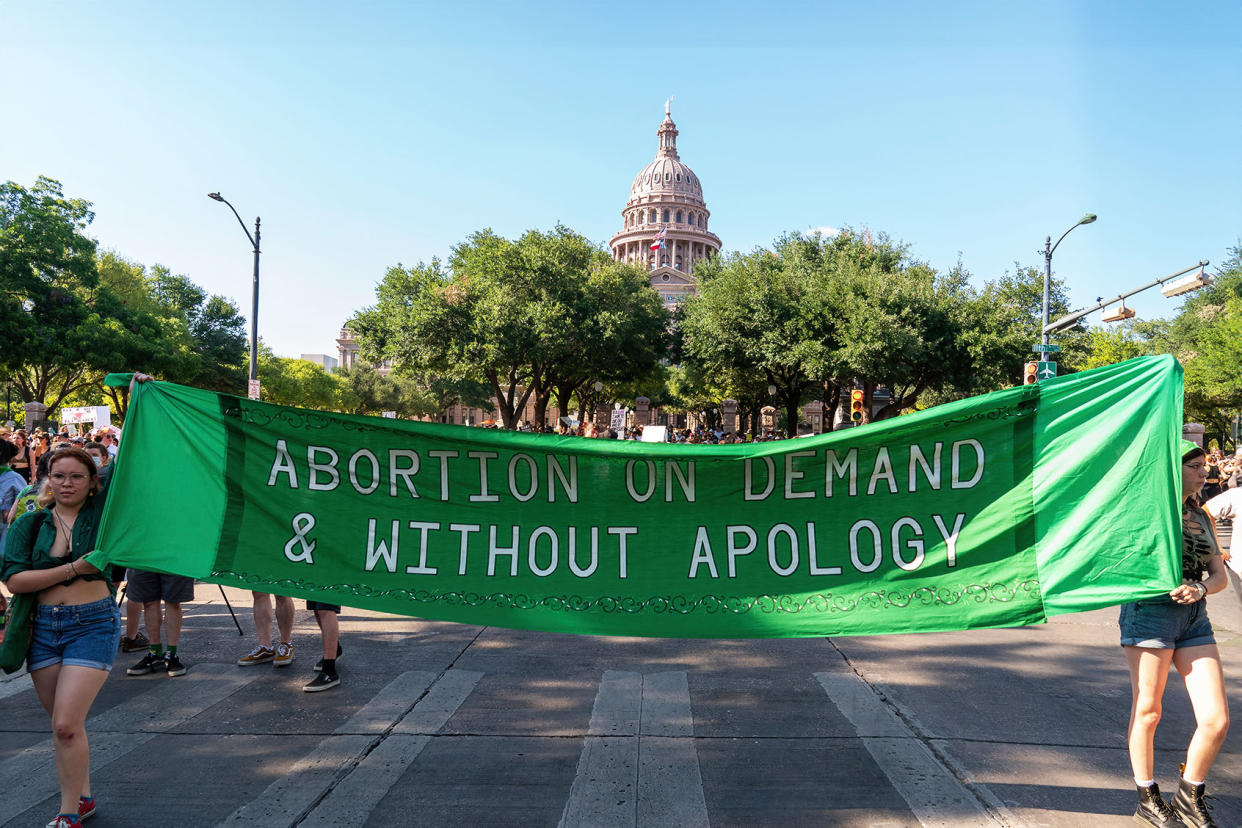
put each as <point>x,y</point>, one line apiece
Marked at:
<point>254,308</point>
<point>1049,249</point>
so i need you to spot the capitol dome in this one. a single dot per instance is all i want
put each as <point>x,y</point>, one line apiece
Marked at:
<point>668,176</point>
<point>666,210</point>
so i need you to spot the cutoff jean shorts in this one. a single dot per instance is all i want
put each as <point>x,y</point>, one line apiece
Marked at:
<point>85,635</point>
<point>1165,625</point>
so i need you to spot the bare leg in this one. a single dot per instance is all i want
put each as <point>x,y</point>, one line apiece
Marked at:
<point>133,614</point>
<point>284,618</point>
<point>45,686</point>
<point>151,611</point>
<point>172,623</point>
<point>330,626</point>
<point>75,692</point>
<point>263,618</point>
<point>1205,682</point>
<point>1149,671</point>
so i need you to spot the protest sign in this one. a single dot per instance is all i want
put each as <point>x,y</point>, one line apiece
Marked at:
<point>998,510</point>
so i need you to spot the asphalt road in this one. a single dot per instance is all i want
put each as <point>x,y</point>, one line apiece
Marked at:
<point>442,724</point>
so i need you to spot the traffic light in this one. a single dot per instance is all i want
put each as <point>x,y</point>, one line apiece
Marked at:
<point>1030,373</point>
<point>856,406</point>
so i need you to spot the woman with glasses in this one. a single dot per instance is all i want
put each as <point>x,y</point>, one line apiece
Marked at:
<point>1174,629</point>
<point>77,625</point>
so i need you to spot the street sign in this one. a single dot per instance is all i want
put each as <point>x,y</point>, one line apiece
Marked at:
<point>253,388</point>
<point>1045,349</point>
<point>1046,370</point>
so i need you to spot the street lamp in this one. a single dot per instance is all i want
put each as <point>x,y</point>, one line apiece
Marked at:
<point>1049,249</point>
<point>254,308</point>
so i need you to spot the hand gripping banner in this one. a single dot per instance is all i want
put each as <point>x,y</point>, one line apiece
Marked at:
<point>994,511</point>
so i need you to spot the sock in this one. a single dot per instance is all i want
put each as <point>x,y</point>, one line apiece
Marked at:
<point>329,666</point>
<point>172,649</point>
<point>1144,783</point>
<point>1192,782</point>
<point>156,649</point>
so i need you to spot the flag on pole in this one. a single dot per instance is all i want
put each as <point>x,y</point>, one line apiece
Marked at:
<point>658,242</point>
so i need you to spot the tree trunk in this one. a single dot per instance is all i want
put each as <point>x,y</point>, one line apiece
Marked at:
<point>511,402</point>
<point>542,397</point>
<point>832,401</point>
<point>791,415</point>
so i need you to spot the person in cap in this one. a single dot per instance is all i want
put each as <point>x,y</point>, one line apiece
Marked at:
<point>1175,629</point>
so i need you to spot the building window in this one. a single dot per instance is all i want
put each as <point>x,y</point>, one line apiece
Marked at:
<point>679,217</point>
<point>652,218</point>
<point>666,216</point>
<point>679,176</point>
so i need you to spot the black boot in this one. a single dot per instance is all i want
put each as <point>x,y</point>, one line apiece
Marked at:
<point>1153,810</point>
<point>1189,805</point>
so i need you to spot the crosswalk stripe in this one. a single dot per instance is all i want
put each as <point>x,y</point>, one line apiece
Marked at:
<point>639,765</point>
<point>389,704</point>
<point>30,777</point>
<point>927,785</point>
<point>330,772</point>
<point>351,801</point>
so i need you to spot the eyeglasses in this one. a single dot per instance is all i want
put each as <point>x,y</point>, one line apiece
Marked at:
<point>58,477</point>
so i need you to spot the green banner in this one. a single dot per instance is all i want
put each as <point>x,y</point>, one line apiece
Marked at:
<point>994,511</point>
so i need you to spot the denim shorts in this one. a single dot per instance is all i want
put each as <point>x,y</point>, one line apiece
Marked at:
<point>1165,625</point>
<point>85,635</point>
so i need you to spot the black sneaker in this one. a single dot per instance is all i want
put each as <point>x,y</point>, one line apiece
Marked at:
<point>151,663</point>
<point>174,665</point>
<point>322,681</point>
<point>319,663</point>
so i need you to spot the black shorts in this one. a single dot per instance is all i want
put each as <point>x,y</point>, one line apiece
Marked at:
<point>145,587</point>
<point>321,607</point>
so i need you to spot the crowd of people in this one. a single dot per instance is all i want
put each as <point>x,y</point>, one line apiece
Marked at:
<point>713,435</point>
<point>53,487</point>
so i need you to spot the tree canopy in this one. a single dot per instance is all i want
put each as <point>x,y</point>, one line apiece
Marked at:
<point>529,317</point>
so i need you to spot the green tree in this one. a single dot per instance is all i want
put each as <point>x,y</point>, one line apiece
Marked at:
<point>216,327</point>
<point>1004,322</point>
<point>526,317</point>
<point>60,325</point>
<point>755,314</point>
<point>364,390</point>
<point>1206,338</point>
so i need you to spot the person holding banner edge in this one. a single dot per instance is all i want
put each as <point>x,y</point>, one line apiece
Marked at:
<point>1175,629</point>
<point>75,623</point>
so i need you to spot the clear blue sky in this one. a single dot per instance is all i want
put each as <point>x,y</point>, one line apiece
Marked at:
<point>371,133</point>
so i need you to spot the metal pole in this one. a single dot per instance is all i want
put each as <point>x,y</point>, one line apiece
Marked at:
<point>253,314</point>
<point>254,311</point>
<point>1047,284</point>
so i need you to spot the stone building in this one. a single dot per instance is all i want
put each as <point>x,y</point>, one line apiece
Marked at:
<point>666,197</point>
<point>347,352</point>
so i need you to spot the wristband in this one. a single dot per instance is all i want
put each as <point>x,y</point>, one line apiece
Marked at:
<point>1203,593</point>
<point>72,574</point>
